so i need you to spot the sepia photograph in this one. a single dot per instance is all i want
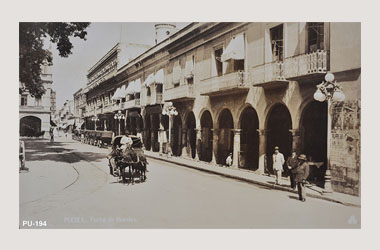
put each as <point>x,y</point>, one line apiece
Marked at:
<point>189,125</point>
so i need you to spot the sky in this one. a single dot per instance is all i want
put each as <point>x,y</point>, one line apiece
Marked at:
<point>69,74</point>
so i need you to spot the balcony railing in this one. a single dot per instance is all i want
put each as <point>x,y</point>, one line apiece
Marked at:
<point>115,106</point>
<point>268,74</point>
<point>135,103</point>
<point>156,99</point>
<point>107,108</point>
<point>182,92</point>
<point>307,64</point>
<point>228,83</point>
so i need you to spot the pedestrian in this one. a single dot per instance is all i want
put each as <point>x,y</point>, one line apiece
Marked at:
<point>302,172</point>
<point>292,163</point>
<point>278,162</point>
<point>229,160</point>
<point>51,135</point>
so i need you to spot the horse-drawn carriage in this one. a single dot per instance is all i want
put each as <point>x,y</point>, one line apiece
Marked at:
<point>127,159</point>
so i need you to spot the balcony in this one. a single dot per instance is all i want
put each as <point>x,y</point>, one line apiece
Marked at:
<point>135,103</point>
<point>268,75</point>
<point>115,106</point>
<point>155,99</point>
<point>235,82</point>
<point>108,108</point>
<point>180,93</point>
<point>307,66</point>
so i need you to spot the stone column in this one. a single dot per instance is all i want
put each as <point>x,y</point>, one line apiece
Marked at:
<point>262,150</point>
<point>160,134</point>
<point>184,142</point>
<point>198,143</point>
<point>152,132</point>
<point>236,148</point>
<point>215,138</point>
<point>161,139</point>
<point>296,145</point>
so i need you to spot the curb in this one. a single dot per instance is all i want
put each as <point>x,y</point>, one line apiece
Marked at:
<point>272,186</point>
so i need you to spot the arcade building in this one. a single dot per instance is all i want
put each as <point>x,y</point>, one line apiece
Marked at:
<point>240,88</point>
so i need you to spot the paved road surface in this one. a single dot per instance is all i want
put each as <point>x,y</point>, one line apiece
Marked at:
<point>81,194</point>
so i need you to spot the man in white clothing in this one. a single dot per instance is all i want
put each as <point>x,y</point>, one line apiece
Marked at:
<point>278,162</point>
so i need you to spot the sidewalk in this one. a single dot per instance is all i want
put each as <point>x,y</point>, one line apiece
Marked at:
<point>252,177</point>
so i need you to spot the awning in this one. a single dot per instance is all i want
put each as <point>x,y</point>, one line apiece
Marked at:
<point>70,122</point>
<point>129,90</point>
<point>149,80</point>
<point>79,125</point>
<point>52,124</point>
<point>235,49</point>
<point>122,92</point>
<point>159,77</point>
<point>134,87</point>
<point>137,86</point>
<point>116,94</point>
<point>119,93</point>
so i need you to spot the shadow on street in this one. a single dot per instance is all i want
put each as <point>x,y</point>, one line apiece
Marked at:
<point>43,150</point>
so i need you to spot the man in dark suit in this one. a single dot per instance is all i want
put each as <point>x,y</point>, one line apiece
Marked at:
<point>292,163</point>
<point>302,172</point>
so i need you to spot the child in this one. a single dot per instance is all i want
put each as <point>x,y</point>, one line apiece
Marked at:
<point>229,160</point>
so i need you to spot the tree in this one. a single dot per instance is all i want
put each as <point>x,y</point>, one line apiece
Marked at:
<point>32,55</point>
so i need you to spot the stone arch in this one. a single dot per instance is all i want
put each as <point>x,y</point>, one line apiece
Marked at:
<point>191,136</point>
<point>249,138</point>
<point>226,137</point>
<point>206,150</point>
<point>278,126</point>
<point>30,126</point>
<point>176,135</point>
<point>313,137</point>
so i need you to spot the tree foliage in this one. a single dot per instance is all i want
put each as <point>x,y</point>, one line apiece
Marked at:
<point>32,55</point>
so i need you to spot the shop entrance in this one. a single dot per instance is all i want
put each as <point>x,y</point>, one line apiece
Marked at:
<point>191,134</point>
<point>226,137</point>
<point>278,134</point>
<point>314,138</point>
<point>249,139</point>
<point>30,126</point>
<point>207,137</point>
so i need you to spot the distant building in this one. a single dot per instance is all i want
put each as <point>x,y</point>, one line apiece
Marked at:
<point>79,108</point>
<point>66,116</point>
<point>53,106</point>
<point>35,112</point>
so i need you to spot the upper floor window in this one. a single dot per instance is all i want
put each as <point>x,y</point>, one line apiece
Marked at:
<point>148,91</point>
<point>24,100</point>
<point>277,42</point>
<point>218,61</point>
<point>159,88</point>
<point>315,36</point>
<point>37,101</point>
<point>234,54</point>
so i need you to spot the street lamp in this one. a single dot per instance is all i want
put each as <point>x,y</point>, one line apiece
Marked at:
<point>171,111</point>
<point>328,90</point>
<point>119,116</point>
<point>95,119</point>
